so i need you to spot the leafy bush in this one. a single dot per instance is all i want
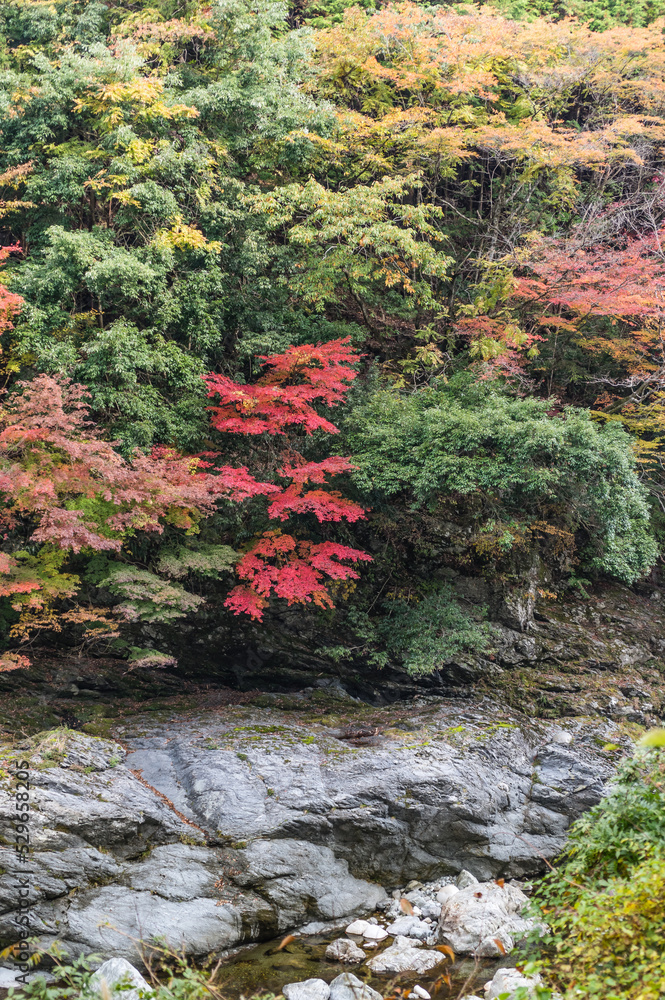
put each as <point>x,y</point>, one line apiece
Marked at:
<point>430,633</point>
<point>172,977</point>
<point>600,15</point>
<point>606,903</point>
<point>507,460</point>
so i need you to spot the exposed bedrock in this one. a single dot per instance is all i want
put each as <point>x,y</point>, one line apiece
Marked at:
<point>233,825</point>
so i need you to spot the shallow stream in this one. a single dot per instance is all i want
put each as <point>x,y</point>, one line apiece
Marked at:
<point>264,969</point>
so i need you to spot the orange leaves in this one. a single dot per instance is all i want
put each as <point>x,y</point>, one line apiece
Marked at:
<point>10,303</point>
<point>285,941</point>
<point>13,661</point>
<point>489,85</point>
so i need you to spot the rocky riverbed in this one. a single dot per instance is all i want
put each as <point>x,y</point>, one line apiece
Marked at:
<point>217,828</point>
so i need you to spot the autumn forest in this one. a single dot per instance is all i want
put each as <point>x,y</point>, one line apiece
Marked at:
<point>325,329</point>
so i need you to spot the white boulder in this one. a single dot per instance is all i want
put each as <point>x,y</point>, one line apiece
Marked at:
<point>484,919</point>
<point>410,927</point>
<point>309,989</point>
<point>118,974</point>
<point>345,950</point>
<point>358,927</point>
<point>349,987</point>
<point>405,955</point>
<point>375,933</point>
<point>446,893</point>
<point>506,982</point>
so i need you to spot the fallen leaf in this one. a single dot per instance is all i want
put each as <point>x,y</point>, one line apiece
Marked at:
<point>500,882</point>
<point>287,940</point>
<point>500,946</point>
<point>446,949</point>
<point>406,906</point>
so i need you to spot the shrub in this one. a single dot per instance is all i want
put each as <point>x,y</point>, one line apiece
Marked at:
<point>606,903</point>
<point>508,461</point>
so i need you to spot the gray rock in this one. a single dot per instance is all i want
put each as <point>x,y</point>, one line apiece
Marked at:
<point>304,881</point>
<point>256,827</point>
<point>349,987</point>
<point>465,879</point>
<point>345,950</point>
<point>405,955</point>
<point>427,904</point>
<point>494,806</point>
<point>410,927</point>
<point>476,918</point>
<point>9,978</point>
<point>117,972</point>
<point>508,981</point>
<point>106,920</point>
<point>309,989</point>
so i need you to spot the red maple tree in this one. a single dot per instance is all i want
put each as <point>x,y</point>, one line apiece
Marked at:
<point>278,564</point>
<point>65,489</point>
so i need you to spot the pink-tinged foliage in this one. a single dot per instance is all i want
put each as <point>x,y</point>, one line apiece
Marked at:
<point>54,463</point>
<point>325,505</point>
<point>575,277</point>
<point>294,570</point>
<point>284,395</point>
<point>72,491</point>
<point>10,303</point>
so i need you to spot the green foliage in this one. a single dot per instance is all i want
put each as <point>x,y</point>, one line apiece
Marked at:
<point>654,738</point>
<point>600,15</point>
<point>147,597</point>
<point>510,462</point>
<point>605,903</point>
<point>423,633</point>
<point>427,634</point>
<point>204,560</point>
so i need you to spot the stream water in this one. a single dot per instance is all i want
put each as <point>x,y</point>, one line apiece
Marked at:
<point>264,969</point>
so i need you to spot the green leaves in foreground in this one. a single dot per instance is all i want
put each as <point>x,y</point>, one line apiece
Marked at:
<point>654,738</point>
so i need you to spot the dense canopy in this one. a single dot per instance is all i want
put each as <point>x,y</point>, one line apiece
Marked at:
<point>249,247</point>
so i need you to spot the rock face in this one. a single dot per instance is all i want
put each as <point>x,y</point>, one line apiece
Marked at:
<point>239,824</point>
<point>106,826</point>
<point>484,920</point>
<point>463,787</point>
